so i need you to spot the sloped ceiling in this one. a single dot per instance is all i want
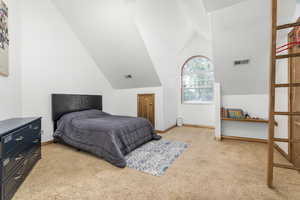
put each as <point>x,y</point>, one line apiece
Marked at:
<point>162,26</point>
<point>247,36</point>
<point>168,26</point>
<point>138,37</point>
<point>108,31</point>
<point>196,17</point>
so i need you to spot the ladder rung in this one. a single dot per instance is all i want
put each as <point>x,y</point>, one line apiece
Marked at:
<point>285,140</point>
<point>287,113</point>
<point>285,166</point>
<point>291,55</point>
<point>280,140</point>
<point>287,85</point>
<point>288,25</point>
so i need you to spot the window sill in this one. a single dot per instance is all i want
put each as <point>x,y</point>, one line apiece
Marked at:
<point>198,103</point>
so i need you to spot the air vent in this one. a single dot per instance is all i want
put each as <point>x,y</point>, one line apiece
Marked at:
<point>241,62</point>
<point>128,76</point>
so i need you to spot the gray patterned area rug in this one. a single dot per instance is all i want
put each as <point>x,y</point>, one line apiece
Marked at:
<point>155,157</point>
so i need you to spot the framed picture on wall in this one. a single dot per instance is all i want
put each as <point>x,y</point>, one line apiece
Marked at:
<point>4,39</point>
<point>235,113</point>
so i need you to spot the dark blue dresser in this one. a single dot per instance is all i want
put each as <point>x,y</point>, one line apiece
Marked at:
<point>20,149</point>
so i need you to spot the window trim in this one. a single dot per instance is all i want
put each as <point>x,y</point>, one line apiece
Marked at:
<point>182,88</point>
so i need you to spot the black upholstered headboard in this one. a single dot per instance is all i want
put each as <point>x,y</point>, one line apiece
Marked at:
<point>66,103</point>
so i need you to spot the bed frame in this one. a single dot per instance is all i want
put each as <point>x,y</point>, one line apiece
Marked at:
<point>67,103</point>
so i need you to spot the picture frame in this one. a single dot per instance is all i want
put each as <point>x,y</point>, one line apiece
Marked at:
<point>235,113</point>
<point>4,40</point>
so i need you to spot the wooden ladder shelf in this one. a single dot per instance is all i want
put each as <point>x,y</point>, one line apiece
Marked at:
<point>273,86</point>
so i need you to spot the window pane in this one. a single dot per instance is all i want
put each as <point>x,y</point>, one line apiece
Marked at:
<point>198,95</point>
<point>197,65</point>
<point>198,80</point>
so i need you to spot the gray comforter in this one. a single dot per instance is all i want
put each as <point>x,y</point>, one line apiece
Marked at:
<point>107,136</point>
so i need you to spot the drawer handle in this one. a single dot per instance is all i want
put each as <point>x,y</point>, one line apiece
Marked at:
<point>19,158</point>
<point>34,128</point>
<point>20,138</point>
<point>36,154</point>
<point>18,177</point>
<point>36,141</point>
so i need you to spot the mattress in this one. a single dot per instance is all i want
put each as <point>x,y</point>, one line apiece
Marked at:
<point>107,136</point>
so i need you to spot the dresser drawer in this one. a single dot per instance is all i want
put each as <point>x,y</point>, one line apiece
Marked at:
<point>15,140</point>
<point>20,149</point>
<point>35,140</point>
<point>24,137</point>
<point>35,128</point>
<point>9,163</point>
<point>11,185</point>
<point>33,156</point>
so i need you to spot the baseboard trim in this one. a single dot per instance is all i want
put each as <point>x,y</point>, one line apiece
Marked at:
<point>47,143</point>
<point>244,139</point>
<point>165,131</point>
<point>283,153</point>
<point>199,126</point>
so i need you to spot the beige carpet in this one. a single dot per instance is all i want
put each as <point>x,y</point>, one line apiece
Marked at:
<point>206,170</point>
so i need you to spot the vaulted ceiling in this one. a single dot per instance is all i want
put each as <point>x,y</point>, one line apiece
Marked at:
<point>143,37</point>
<point>107,30</point>
<point>137,37</point>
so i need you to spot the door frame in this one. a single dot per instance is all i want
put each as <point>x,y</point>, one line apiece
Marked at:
<point>138,103</point>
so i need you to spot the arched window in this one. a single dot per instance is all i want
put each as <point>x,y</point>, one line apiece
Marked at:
<point>197,80</point>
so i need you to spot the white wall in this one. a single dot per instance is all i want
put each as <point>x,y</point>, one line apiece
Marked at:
<point>297,11</point>
<point>164,30</point>
<point>126,103</point>
<point>170,106</point>
<point>248,37</point>
<point>10,87</point>
<point>195,114</point>
<point>198,43</point>
<point>54,61</point>
<point>240,33</point>
<point>217,109</point>
<point>173,31</point>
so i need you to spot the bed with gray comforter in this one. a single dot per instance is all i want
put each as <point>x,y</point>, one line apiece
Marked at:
<point>107,136</point>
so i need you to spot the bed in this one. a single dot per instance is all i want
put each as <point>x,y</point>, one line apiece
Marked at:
<point>79,122</point>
